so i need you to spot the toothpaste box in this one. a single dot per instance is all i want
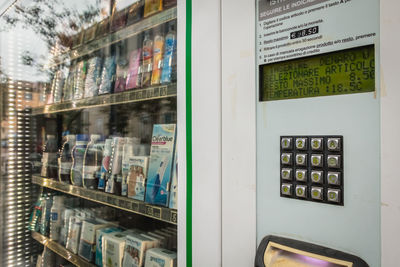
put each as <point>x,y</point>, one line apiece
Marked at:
<point>99,243</point>
<point>160,166</point>
<point>135,249</point>
<point>113,249</point>
<point>137,177</point>
<point>87,244</point>
<point>159,257</point>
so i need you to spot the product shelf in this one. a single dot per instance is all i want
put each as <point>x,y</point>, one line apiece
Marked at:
<point>129,31</point>
<point>62,251</point>
<point>119,202</point>
<point>155,92</point>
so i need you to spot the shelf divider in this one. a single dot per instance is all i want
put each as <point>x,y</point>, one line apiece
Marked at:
<point>62,251</point>
<point>119,202</point>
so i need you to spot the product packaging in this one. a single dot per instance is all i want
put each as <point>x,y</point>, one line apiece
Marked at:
<point>173,198</point>
<point>152,6</point>
<point>78,153</point>
<point>132,78</point>
<point>135,249</point>
<point>65,159</point>
<point>44,225</point>
<point>113,249</point>
<point>36,215</point>
<point>68,89</point>
<point>169,60</point>
<point>105,164</point>
<point>169,3</point>
<point>107,76</point>
<point>103,27</point>
<point>159,257</point>
<point>68,213</point>
<point>87,244</point>
<point>135,11</point>
<point>74,233</point>
<point>93,77</point>
<point>160,165</point>
<point>158,52</point>
<point>137,177</point>
<point>162,241</point>
<point>99,243</point>
<point>92,161</point>
<point>169,238</point>
<point>118,20</point>
<point>79,81</point>
<point>49,157</point>
<point>121,74</point>
<point>113,183</point>
<point>58,84</point>
<point>56,219</point>
<point>147,60</point>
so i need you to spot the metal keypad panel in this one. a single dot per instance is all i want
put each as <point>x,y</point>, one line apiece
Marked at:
<point>312,168</point>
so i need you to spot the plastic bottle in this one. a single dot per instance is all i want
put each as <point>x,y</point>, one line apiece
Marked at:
<point>78,153</point>
<point>45,219</point>
<point>169,55</point>
<point>147,57</point>
<point>49,158</point>
<point>92,161</point>
<point>56,220</point>
<point>158,51</point>
<point>114,178</point>
<point>65,159</point>
<point>105,164</point>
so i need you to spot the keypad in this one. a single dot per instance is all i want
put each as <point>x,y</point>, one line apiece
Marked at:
<point>312,168</point>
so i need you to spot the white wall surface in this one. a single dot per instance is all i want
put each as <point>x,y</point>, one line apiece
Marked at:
<point>390,142</point>
<point>206,101</point>
<point>238,133</point>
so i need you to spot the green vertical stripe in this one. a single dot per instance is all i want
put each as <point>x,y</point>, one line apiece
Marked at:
<point>189,133</point>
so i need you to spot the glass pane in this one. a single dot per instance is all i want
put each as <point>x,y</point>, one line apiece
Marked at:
<point>88,134</point>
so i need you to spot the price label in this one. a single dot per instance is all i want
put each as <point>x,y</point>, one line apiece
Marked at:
<point>163,91</point>
<point>174,217</point>
<point>101,198</point>
<point>112,200</point>
<point>135,206</point>
<point>124,204</point>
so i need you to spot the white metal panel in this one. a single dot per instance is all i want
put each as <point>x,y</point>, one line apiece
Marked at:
<point>206,102</point>
<point>238,133</point>
<point>390,132</point>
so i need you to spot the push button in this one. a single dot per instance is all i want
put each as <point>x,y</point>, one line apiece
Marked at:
<point>301,143</point>
<point>333,161</point>
<point>316,160</point>
<point>334,195</point>
<point>317,193</point>
<point>301,159</point>
<point>317,177</point>
<point>334,178</point>
<point>286,158</point>
<point>301,175</point>
<point>301,191</point>
<point>286,143</point>
<point>286,174</point>
<point>333,144</point>
<point>316,144</point>
<point>286,189</point>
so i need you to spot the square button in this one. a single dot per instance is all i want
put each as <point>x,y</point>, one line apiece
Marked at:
<point>286,143</point>
<point>286,174</point>
<point>317,144</point>
<point>301,191</point>
<point>286,189</point>
<point>317,177</point>
<point>334,195</point>
<point>301,175</point>
<point>317,193</point>
<point>333,161</point>
<point>286,158</point>
<point>333,178</point>
<point>333,144</point>
<point>301,159</point>
<point>301,143</point>
<point>317,160</point>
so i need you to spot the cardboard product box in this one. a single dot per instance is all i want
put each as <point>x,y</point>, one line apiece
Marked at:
<point>159,257</point>
<point>160,165</point>
<point>99,243</point>
<point>87,244</point>
<point>135,249</point>
<point>174,237</point>
<point>137,177</point>
<point>113,249</point>
<point>157,242</point>
<point>168,236</point>
<point>152,6</point>
<point>173,195</point>
<point>162,239</point>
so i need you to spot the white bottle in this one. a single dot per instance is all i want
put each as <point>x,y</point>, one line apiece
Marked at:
<point>56,220</point>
